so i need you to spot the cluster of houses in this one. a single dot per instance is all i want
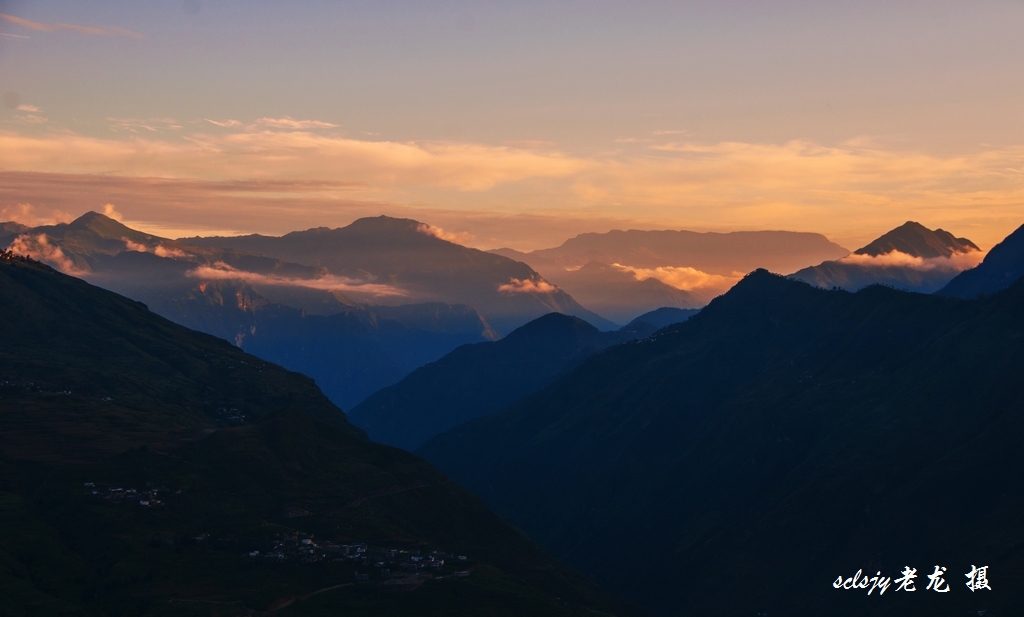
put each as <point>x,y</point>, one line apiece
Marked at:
<point>146,498</point>
<point>392,566</point>
<point>229,416</point>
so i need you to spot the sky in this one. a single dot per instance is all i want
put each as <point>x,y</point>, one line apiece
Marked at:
<point>516,123</point>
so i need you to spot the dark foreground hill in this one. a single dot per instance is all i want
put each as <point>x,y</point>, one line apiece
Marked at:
<point>480,379</point>
<point>785,436</point>
<point>1003,265</point>
<point>146,469</point>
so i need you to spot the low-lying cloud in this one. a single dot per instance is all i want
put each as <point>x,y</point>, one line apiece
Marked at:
<point>527,286</point>
<point>159,250</point>
<point>684,277</point>
<point>220,271</point>
<point>38,247</point>
<point>956,262</point>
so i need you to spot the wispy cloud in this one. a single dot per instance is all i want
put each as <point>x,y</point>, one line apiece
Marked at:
<point>31,108</point>
<point>458,237</point>
<point>224,123</point>
<point>138,125</point>
<point>44,27</point>
<point>221,271</point>
<point>288,122</point>
<point>858,188</point>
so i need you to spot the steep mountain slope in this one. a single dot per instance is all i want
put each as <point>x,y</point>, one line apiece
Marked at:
<point>738,463</point>
<point>480,379</point>
<point>286,313</point>
<point>616,293</point>
<point>146,469</point>
<point>717,253</point>
<point>664,316</point>
<point>910,257</point>
<point>1003,265</point>
<point>351,353</point>
<point>405,254</point>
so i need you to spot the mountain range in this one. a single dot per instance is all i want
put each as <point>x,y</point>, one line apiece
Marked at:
<point>409,258</point>
<point>782,439</point>
<point>910,257</point>
<point>147,469</point>
<point>622,274</point>
<point>303,316</point>
<point>480,379</point>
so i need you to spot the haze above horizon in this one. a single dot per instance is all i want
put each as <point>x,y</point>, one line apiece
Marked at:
<point>516,125</point>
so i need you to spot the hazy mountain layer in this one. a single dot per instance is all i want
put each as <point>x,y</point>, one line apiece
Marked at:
<point>910,257</point>
<point>715,253</point>
<point>738,463</point>
<point>1003,265</point>
<point>406,255</point>
<point>617,294</point>
<point>146,469</point>
<point>480,379</point>
<point>282,312</point>
<point>665,316</point>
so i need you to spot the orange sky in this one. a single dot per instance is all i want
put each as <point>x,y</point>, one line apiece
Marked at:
<point>846,121</point>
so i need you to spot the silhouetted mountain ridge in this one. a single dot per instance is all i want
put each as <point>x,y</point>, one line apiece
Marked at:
<point>738,462</point>
<point>146,469</point>
<point>1003,265</point>
<point>475,380</point>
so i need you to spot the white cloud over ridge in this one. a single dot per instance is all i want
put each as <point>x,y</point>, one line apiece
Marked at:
<point>684,277</point>
<point>956,262</point>
<point>38,247</point>
<point>456,237</point>
<point>527,286</point>
<point>222,272</point>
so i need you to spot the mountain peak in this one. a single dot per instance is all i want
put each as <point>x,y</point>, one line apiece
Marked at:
<point>913,238</point>
<point>104,226</point>
<point>553,324</point>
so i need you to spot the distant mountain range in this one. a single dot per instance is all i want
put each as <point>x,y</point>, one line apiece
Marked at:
<point>617,294</point>
<point>910,257</point>
<point>715,253</point>
<point>622,274</point>
<point>1003,265</point>
<point>480,379</point>
<point>407,256</point>
<point>147,469</point>
<point>738,463</point>
<point>313,317</point>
